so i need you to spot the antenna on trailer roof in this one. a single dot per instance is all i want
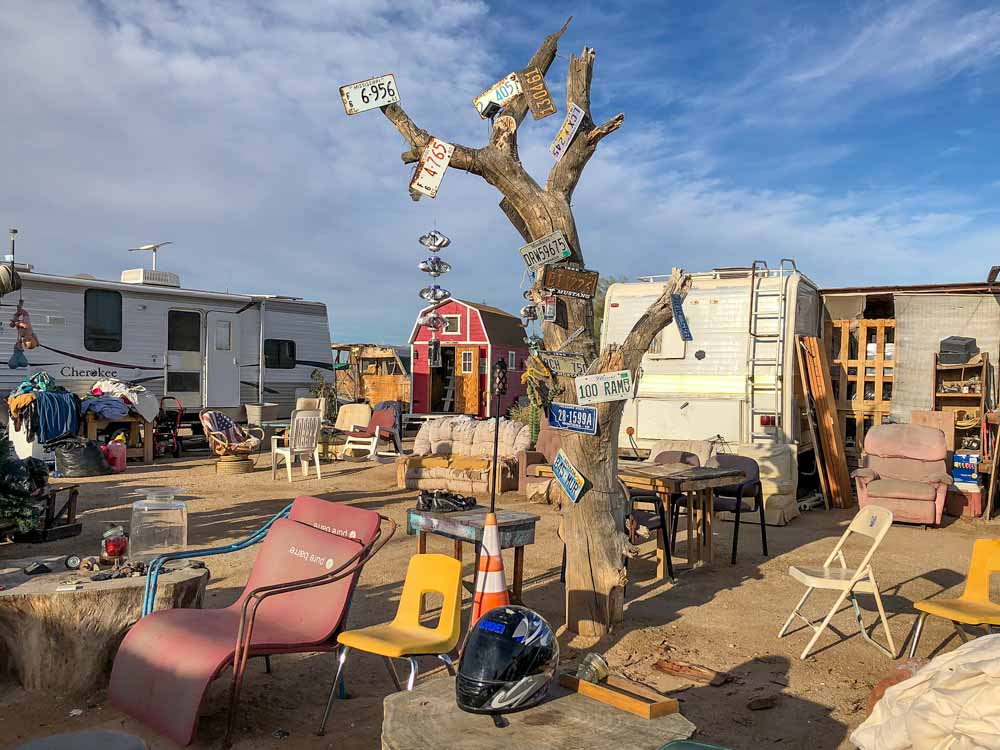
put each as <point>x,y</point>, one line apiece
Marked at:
<point>153,247</point>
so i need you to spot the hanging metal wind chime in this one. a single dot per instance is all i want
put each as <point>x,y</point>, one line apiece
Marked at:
<point>435,267</point>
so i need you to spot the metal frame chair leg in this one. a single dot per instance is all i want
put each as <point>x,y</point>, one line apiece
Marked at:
<point>918,629</point>
<point>763,524</point>
<point>448,663</point>
<point>342,657</point>
<point>267,663</point>
<point>392,673</point>
<point>411,681</point>
<point>736,525</point>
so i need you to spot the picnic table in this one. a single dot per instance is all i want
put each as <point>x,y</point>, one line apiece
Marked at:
<point>697,484</point>
<point>517,530</point>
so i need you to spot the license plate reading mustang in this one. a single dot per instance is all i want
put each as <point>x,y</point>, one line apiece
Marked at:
<point>370,94</point>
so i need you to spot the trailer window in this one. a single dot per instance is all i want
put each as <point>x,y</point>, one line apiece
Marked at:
<point>183,331</point>
<point>183,382</point>
<point>102,320</point>
<point>279,354</point>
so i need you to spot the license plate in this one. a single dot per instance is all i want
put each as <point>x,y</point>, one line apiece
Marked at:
<point>430,171</point>
<point>676,304</point>
<point>565,135</point>
<point>568,477</point>
<point>604,387</point>
<point>534,88</point>
<point>497,96</point>
<point>569,364</point>
<point>569,282</point>
<point>582,419</point>
<point>370,94</point>
<point>549,249</point>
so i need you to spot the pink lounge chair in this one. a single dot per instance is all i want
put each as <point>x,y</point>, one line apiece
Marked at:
<point>295,601</point>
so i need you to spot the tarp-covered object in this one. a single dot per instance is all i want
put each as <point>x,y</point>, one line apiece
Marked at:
<point>922,320</point>
<point>953,703</point>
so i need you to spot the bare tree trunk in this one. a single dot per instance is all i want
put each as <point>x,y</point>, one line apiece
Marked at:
<point>593,528</point>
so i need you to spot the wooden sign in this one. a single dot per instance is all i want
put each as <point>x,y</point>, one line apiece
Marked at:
<point>496,96</point>
<point>370,94</point>
<point>604,387</point>
<point>568,364</point>
<point>582,419</point>
<point>430,171</point>
<point>568,477</point>
<point>537,93</point>
<point>568,130</point>
<point>548,249</point>
<point>569,282</point>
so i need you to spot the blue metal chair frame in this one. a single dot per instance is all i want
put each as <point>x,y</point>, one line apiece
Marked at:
<point>156,566</point>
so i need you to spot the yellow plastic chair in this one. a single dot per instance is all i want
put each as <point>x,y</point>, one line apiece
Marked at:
<point>405,637</point>
<point>973,607</point>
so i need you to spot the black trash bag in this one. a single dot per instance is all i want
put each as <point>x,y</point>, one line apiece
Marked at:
<point>77,457</point>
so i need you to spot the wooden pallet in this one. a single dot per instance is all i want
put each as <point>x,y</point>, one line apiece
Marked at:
<point>838,479</point>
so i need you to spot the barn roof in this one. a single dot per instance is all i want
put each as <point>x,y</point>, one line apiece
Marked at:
<point>501,327</point>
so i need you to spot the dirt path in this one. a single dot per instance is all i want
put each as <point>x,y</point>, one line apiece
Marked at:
<point>723,617</point>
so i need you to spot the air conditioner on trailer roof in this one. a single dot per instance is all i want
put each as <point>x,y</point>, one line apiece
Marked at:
<point>150,277</point>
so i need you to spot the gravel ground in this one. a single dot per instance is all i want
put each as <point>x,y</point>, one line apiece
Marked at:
<point>722,617</point>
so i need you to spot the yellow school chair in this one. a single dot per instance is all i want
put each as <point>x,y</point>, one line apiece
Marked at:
<point>873,522</point>
<point>973,607</point>
<point>405,637</point>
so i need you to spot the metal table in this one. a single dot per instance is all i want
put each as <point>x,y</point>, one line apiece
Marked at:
<point>466,527</point>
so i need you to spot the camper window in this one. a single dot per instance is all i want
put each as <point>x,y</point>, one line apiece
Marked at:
<point>102,320</point>
<point>183,331</point>
<point>279,354</point>
<point>183,382</point>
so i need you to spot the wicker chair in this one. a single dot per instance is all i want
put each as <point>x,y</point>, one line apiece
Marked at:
<point>226,438</point>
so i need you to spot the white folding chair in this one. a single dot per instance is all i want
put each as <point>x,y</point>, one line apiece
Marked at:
<point>302,440</point>
<point>873,522</point>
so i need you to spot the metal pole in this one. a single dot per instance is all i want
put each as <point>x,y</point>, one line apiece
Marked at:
<point>260,383</point>
<point>496,450</point>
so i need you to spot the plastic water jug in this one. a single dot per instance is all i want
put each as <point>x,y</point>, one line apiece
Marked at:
<point>116,454</point>
<point>159,525</point>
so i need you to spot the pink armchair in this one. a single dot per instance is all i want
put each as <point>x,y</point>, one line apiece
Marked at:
<point>544,453</point>
<point>905,472</point>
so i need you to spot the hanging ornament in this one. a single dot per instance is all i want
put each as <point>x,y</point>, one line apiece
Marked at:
<point>529,312</point>
<point>434,293</point>
<point>435,240</point>
<point>536,343</point>
<point>432,320</point>
<point>434,266</point>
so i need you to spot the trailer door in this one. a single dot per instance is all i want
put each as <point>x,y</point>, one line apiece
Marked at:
<point>223,387</point>
<point>184,356</point>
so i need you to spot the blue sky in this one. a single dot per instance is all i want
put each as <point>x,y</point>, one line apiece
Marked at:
<point>858,137</point>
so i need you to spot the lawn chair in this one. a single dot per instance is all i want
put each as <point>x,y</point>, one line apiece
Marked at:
<point>381,427</point>
<point>168,659</point>
<point>974,606</point>
<point>405,637</point>
<point>873,522</point>
<point>226,438</point>
<point>301,440</point>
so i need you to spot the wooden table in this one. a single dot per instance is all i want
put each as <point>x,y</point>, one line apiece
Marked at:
<point>516,531</point>
<point>94,424</point>
<point>697,483</point>
<point>427,717</point>
<point>63,641</point>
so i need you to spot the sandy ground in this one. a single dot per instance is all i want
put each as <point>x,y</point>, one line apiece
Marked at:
<point>723,617</point>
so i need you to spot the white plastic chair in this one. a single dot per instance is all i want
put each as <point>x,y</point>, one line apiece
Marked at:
<point>302,441</point>
<point>871,521</point>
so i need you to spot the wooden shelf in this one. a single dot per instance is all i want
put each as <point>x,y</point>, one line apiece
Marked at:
<point>948,394</point>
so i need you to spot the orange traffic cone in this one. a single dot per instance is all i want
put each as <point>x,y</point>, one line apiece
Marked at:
<point>491,584</point>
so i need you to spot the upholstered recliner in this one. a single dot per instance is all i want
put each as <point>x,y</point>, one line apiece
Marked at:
<point>905,472</point>
<point>529,462</point>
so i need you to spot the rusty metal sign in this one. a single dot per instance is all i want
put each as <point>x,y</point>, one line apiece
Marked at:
<point>548,249</point>
<point>570,283</point>
<point>566,133</point>
<point>569,364</point>
<point>497,96</point>
<point>430,171</point>
<point>537,93</point>
<point>371,94</point>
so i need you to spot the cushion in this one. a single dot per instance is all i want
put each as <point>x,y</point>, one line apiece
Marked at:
<point>535,470</point>
<point>901,490</point>
<point>906,441</point>
<point>466,463</point>
<point>428,462</point>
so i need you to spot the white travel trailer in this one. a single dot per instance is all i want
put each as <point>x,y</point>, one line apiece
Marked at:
<point>735,381</point>
<point>207,349</point>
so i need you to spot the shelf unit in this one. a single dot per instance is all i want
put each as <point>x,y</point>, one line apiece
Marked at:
<point>972,375</point>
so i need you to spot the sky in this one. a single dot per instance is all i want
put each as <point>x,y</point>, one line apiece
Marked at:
<point>858,138</point>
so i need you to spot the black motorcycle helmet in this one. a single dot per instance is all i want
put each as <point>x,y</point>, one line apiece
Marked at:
<point>509,659</point>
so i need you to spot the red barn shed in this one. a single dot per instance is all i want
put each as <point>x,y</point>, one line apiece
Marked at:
<point>473,338</point>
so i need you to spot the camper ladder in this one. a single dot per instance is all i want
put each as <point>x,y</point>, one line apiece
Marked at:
<point>449,393</point>
<point>765,360</point>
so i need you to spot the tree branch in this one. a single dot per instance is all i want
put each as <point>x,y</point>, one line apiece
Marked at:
<point>542,59</point>
<point>465,158</point>
<point>565,173</point>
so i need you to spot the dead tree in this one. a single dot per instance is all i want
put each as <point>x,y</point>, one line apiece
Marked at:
<point>592,527</point>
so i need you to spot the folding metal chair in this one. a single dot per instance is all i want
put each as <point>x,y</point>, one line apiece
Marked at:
<point>872,522</point>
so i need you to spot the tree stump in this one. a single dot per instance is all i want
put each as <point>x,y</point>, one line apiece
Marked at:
<point>65,641</point>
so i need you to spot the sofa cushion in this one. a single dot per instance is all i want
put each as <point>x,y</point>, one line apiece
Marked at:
<point>902,490</point>
<point>535,470</point>
<point>466,463</point>
<point>429,462</point>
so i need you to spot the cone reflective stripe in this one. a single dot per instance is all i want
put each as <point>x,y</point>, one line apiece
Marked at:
<point>491,584</point>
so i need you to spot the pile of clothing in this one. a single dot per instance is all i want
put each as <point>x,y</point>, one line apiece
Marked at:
<point>108,396</point>
<point>21,483</point>
<point>46,411</point>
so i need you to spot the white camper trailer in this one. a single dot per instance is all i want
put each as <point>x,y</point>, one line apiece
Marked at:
<point>207,349</point>
<point>734,383</point>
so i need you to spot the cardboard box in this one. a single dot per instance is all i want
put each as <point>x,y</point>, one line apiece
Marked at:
<point>964,499</point>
